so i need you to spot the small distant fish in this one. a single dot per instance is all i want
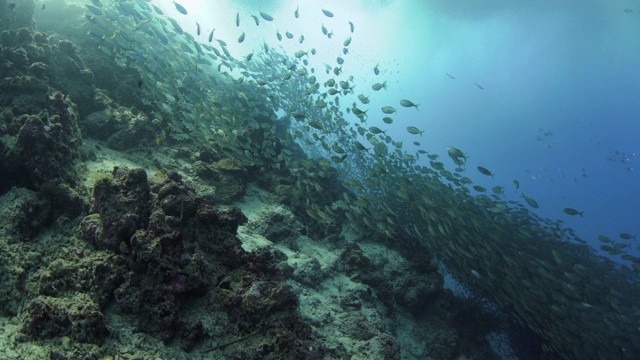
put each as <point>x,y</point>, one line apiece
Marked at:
<point>376,130</point>
<point>452,77</point>
<point>407,103</point>
<point>378,86</point>
<point>301,39</point>
<point>414,130</point>
<point>351,26</point>
<point>297,12</point>
<point>180,8</point>
<point>266,16</point>
<point>327,13</point>
<point>626,236</point>
<point>479,86</point>
<point>91,8</point>
<point>255,18</point>
<point>485,171</point>
<point>476,274</point>
<point>376,70</point>
<point>158,10</point>
<point>531,202</point>
<point>388,109</point>
<point>570,211</point>
<point>140,83</point>
<point>517,185</point>
<point>198,29</point>
<point>347,41</point>
<point>211,35</point>
<point>241,37</point>
<point>289,35</point>
<point>237,19</point>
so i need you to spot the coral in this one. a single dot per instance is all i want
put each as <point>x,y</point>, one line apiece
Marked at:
<point>122,128</point>
<point>22,215</point>
<point>278,225</point>
<point>307,271</point>
<point>77,317</point>
<point>229,164</point>
<point>45,144</point>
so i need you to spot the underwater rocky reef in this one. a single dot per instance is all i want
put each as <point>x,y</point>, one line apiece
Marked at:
<point>149,215</point>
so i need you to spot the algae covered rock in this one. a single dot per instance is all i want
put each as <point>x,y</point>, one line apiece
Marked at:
<point>41,147</point>
<point>22,214</point>
<point>78,317</point>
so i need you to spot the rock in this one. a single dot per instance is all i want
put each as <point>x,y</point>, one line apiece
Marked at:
<point>78,317</point>
<point>22,215</point>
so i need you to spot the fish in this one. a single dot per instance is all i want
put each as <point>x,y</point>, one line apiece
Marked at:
<point>298,54</point>
<point>455,153</point>
<point>376,70</point>
<point>407,103</point>
<point>530,201</point>
<point>336,147</point>
<point>301,39</point>
<point>376,130</point>
<point>388,109</point>
<point>626,236</point>
<point>485,171</point>
<point>327,13</point>
<point>211,35</point>
<point>604,239</point>
<point>359,146</point>
<point>324,30</point>
<point>257,21</point>
<point>238,19</point>
<point>450,76</point>
<point>91,8</point>
<point>338,159</point>
<point>570,211</point>
<point>297,12</point>
<point>298,116</point>
<point>479,86</point>
<point>289,35</point>
<point>517,185</point>
<point>316,125</point>
<point>387,120</point>
<point>198,29</point>
<point>266,16</point>
<point>347,41</point>
<point>157,10</point>
<point>351,26</point>
<point>241,37</point>
<point>378,86</point>
<point>180,8</point>
<point>479,188</point>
